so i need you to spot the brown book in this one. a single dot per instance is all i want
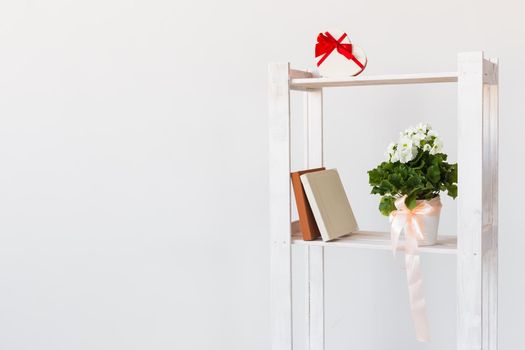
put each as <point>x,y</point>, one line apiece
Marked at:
<point>307,222</point>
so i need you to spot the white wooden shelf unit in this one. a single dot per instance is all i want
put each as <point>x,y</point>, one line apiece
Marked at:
<point>477,210</point>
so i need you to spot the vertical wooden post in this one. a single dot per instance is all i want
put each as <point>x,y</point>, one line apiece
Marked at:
<point>313,118</point>
<point>280,210</point>
<point>470,168</point>
<point>477,234</point>
<point>490,224</point>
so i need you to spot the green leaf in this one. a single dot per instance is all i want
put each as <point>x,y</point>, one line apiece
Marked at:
<point>417,158</point>
<point>413,195</point>
<point>387,166</point>
<point>436,159</point>
<point>433,174</point>
<point>413,181</point>
<point>386,205</point>
<point>411,200</point>
<point>396,180</point>
<point>452,191</point>
<point>402,171</point>
<point>421,165</point>
<point>376,190</point>
<point>386,186</point>
<point>374,177</point>
<point>454,177</point>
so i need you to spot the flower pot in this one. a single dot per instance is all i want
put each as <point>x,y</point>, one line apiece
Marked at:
<point>430,222</point>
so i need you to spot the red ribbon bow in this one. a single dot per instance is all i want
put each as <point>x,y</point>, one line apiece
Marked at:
<point>326,43</point>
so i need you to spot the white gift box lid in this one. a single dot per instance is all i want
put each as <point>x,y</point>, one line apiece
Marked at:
<point>336,64</point>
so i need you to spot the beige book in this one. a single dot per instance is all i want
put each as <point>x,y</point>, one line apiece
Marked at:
<point>330,206</point>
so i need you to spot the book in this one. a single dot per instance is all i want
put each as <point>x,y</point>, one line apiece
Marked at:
<point>309,228</point>
<point>330,206</point>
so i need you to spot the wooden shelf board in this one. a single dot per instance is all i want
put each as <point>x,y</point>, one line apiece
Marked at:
<point>400,79</point>
<point>379,240</point>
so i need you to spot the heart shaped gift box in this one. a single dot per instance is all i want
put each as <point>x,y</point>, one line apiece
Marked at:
<point>337,56</point>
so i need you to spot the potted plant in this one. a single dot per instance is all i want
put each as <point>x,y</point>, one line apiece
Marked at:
<point>412,177</point>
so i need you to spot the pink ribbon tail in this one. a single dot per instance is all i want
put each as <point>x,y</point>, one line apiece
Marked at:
<point>411,221</point>
<point>415,291</point>
<point>417,299</point>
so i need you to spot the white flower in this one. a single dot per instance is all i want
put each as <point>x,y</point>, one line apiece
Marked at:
<point>409,131</point>
<point>391,150</point>
<point>423,128</point>
<point>417,138</point>
<point>411,141</point>
<point>437,147</point>
<point>431,133</point>
<point>405,155</point>
<point>406,150</point>
<point>417,134</point>
<point>394,157</point>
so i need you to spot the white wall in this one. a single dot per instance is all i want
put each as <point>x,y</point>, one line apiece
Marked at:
<point>133,181</point>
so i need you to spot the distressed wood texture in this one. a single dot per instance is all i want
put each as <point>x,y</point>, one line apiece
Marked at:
<point>313,125</point>
<point>477,203</point>
<point>300,83</point>
<point>490,238</point>
<point>376,240</point>
<point>280,206</point>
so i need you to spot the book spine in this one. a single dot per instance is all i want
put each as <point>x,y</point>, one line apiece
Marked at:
<point>301,207</point>
<point>315,209</point>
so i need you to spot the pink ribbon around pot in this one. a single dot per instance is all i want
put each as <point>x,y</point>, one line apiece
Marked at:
<point>413,222</point>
